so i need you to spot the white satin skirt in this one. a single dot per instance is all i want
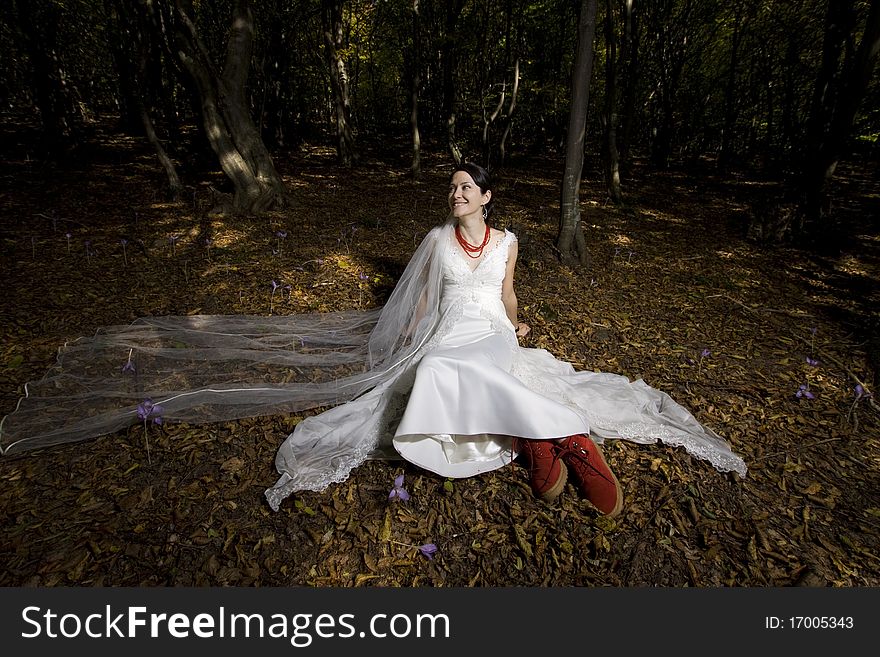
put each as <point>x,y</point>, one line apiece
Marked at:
<point>466,407</point>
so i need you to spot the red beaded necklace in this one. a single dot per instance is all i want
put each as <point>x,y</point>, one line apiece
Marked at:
<point>469,248</point>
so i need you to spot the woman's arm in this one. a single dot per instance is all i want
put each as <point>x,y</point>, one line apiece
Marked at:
<point>508,294</point>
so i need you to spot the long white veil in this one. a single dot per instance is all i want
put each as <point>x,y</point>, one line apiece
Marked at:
<point>209,368</point>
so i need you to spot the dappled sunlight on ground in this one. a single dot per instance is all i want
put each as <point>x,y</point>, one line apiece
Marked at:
<point>675,296</point>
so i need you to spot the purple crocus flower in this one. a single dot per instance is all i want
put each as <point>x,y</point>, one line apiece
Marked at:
<point>128,367</point>
<point>398,491</point>
<point>705,353</point>
<point>147,408</point>
<point>428,549</point>
<point>861,392</point>
<point>804,391</point>
<point>812,361</point>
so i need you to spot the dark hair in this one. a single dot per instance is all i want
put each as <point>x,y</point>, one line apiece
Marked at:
<point>481,177</point>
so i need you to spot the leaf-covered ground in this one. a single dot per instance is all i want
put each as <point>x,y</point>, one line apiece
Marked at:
<point>675,296</point>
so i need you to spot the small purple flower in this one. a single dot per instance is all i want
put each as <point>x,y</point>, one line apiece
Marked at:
<point>274,286</point>
<point>812,361</point>
<point>398,491</point>
<point>813,330</point>
<point>147,408</point>
<point>129,367</point>
<point>281,234</point>
<point>428,549</point>
<point>861,392</point>
<point>705,353</point>
<point>364,277</point>
<point>804,391</point>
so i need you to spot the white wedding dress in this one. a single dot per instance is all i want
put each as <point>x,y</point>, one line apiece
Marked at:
<point>436,376</point>
<point>454,409</point>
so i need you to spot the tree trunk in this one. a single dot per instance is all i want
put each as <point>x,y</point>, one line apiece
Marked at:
<point>631,81</point>
<point>449,59</point>
<point>38,28</point>
<point>570,241</point>
<point>725,156</point>
<point>508,119</point>
<point>226,120</point>
<point>415,82</point>
<point>331,12</point>
<point>837,96</point>
<point>133,25</point>
<point>831,144</point>
<point>121,43</point>
<point>174,186</point>
<point>610,155</point>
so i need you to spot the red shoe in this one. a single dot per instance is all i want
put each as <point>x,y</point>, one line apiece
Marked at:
<point>594,478</point>
<point>547,472</point>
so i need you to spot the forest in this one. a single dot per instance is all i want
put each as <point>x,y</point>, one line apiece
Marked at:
<point>694,185</point>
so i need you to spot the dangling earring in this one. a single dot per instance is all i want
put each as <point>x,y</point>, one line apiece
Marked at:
<point>485,213</point>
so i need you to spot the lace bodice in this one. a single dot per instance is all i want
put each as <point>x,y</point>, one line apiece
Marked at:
<point>462,284</point>
<point>481,282</point>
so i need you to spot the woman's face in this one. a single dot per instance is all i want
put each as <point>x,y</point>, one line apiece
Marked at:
<point>465,197</point>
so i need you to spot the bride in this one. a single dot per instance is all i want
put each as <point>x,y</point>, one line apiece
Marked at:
<point>469,399</point>
<point>436,375</point>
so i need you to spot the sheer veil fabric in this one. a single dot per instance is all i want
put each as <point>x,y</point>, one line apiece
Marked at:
<point>210,368</point>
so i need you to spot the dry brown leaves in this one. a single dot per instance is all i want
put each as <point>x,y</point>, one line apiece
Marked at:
<point>672,280</point>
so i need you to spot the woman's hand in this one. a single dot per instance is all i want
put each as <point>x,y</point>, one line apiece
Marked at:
<point>522,329</point>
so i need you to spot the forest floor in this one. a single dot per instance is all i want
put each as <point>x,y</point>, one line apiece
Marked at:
<point>675,295</point>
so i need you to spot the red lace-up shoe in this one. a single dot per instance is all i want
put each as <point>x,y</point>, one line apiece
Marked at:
<point>594,478</point>
<point>547,472</point>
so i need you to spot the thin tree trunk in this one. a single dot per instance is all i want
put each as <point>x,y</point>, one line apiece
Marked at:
<point>39,32</point>
<point>449,60</point>
<point>128,32</point>
<point>571,241</point>
<point>838,93</point>
<point>628,112</point>
<point>611,156</point>
<point>828,151</point>
<point>725,156</point>
<point>508,119</point>
<point>174,186</point>
<point>415,82</point>
<point>333,45</point>
<point>489,120</point>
